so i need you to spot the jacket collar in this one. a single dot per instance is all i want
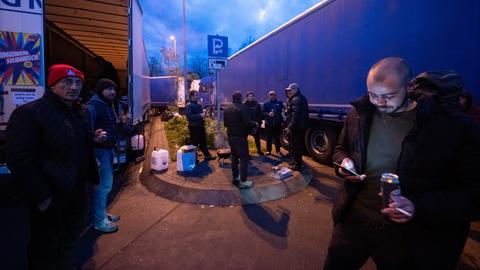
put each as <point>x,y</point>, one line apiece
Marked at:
<point>425,108</point>
<point>57,102</point>
<point>363,105</point>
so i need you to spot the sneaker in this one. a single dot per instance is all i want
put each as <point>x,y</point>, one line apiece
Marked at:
<point>267,153</point>
<point>245,184</point>
<point>113,218</point>
<point>236,181</point>
<point>106,226</point>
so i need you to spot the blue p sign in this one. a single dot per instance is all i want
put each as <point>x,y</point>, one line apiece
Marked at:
<point>217,46</point>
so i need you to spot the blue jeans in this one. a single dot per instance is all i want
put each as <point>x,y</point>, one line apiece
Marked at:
<point>105,158</point>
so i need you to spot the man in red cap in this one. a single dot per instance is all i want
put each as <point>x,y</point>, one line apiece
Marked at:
<point>50,154</point>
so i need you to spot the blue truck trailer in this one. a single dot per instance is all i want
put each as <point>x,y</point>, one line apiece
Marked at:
<point>329,49</point>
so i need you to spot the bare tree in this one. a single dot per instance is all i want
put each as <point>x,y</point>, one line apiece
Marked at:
<point>246,41</point>
<point>155,66</point>
<point>198,64</point>
<point>169,61</point>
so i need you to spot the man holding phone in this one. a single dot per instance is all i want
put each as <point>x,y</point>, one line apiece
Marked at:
<point>426,226</point>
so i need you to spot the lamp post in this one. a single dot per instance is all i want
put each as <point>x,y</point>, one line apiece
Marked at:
<point>184,50</point>
<point>177,69</point>
<point>176,54</point>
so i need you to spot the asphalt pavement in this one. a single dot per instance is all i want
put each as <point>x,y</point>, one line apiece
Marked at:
<point>289,233</point>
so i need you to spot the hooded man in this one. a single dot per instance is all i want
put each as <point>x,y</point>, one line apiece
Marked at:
<point>103,117</point>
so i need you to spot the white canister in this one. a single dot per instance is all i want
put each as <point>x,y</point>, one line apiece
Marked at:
<point>159,160</point>
<point>137,142</point>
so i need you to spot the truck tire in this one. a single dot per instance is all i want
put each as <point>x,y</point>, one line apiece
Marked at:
<point>320,142</point>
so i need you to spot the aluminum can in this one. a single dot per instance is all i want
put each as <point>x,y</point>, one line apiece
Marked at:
<point>389,184</point>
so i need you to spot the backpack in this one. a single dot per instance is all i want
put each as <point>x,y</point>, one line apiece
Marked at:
<point>442,87</point>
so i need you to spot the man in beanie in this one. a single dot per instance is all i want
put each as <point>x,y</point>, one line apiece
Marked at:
<point>196,125</point>
<point>50,154</point>
<point>102,115</point>
<point>238,123</point>
<point>255,113</point>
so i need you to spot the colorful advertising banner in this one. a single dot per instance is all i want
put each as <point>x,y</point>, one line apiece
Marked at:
<point>20,58</point>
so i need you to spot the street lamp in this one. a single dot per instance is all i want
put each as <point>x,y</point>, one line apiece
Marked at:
<point>184,30</point>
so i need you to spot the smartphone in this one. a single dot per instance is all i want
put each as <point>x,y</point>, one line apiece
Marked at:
<point>345,169</point>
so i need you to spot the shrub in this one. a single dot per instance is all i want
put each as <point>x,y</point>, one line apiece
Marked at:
<point>177,133</point>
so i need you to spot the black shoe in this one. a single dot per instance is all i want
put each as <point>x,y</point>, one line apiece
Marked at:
<point>260,153</point>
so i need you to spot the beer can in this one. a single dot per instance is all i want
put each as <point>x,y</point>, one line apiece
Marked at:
<point>389,184</point>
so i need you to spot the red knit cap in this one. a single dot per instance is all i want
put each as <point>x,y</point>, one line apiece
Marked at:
<point>60,71</point>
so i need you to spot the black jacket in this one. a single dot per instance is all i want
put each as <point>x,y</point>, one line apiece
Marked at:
<point>103,116</point>
<point>436,166</point>
<point>237,120</point>
<point>193,112</point>
<point>254,110</point>
<point>277,108</point>
<point>49,148</point>
<point>297,112</point>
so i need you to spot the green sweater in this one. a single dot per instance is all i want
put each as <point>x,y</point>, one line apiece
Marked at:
<point>383,149</point>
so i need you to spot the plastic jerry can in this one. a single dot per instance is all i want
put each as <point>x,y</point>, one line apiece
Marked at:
<point>186,158</point>
<point>159,159</point>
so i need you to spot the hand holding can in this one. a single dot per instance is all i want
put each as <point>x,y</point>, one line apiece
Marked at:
<point>389,186</point>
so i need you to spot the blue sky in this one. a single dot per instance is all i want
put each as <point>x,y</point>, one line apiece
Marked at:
<point>236,19</point>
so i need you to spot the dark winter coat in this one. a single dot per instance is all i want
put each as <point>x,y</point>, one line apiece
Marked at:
<point>102,115</point>
<point>193,112</point>
<point>435,167</point>
<point>254,111</point>
<point>277,108</point>
<point>49,148</point>
<point>237,120</point>
<point>297,112</point>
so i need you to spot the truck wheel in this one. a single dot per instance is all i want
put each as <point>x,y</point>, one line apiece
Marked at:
<point>320,142</point>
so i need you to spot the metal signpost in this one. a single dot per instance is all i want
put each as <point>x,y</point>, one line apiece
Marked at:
<point>217,59</point>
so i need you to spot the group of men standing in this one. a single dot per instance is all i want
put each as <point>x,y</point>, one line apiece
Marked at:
<point>244,119</point>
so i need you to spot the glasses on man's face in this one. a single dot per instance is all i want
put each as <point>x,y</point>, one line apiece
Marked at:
<point>72,81</point>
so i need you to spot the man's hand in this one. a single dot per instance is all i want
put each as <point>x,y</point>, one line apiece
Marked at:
<point>45,204</point>
<point>99,136</point>
<point>401,210</point>
<point>270,114</point>
<point>287,132</point>
<point>348,163</point>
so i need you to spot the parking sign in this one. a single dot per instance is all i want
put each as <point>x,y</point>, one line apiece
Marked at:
<point>217,46</point>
